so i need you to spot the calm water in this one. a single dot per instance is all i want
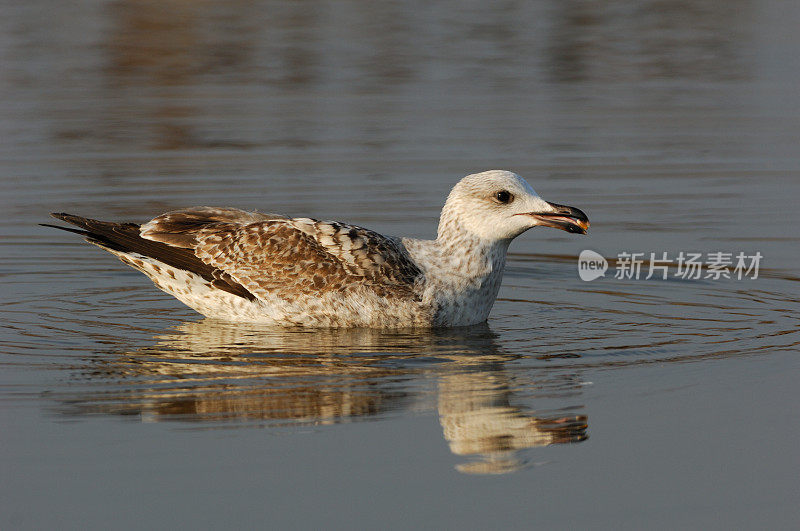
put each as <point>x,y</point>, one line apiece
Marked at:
<point>606,404</point>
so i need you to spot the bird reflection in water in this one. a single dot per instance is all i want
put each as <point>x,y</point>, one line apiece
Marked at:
<point>221,374</point>
<point>478,420</point>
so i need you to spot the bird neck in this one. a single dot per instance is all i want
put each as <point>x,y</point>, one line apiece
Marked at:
<point>468,255</point>
<point>462,275</point>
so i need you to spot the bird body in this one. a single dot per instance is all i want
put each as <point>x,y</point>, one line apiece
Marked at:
<point>245,266</point>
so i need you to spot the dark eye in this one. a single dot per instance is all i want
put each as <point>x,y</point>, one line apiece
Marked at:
<point>504,197</point>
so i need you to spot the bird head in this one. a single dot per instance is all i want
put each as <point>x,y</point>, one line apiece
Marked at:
<point>501,205</point>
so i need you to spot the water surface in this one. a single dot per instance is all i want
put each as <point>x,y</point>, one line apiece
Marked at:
<point>604,404</point>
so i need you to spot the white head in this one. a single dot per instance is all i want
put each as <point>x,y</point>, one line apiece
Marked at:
<point>500,205</point>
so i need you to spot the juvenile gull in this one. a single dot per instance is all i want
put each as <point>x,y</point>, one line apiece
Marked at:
<point>247,266</point>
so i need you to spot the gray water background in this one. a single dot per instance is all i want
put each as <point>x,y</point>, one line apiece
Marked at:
<point>605,404</point>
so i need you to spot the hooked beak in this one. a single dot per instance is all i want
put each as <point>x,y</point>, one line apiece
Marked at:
<point>563,217</point>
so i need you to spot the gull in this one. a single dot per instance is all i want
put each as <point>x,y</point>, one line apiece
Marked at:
<point>240,266</point>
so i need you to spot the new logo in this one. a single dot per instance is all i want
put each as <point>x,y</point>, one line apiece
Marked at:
<point>591,265</point>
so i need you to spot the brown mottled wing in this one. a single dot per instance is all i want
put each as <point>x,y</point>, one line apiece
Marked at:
<point>179,228</point>
<point>294,257</point>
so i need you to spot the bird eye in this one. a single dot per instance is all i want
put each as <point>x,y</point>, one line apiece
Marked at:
<point>504,197</point>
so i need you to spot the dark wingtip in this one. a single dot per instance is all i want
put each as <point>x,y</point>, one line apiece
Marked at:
<point>69,218</point>
<point>68,229</point>
<point>63,216</point>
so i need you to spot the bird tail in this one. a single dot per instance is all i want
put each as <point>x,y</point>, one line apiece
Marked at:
<point>124,238</point>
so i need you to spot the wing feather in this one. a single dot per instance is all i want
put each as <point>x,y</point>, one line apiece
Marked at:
<point>262,255</point>
<point>126,238</point>
<point>295,257</point>
<point>179,228</point>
